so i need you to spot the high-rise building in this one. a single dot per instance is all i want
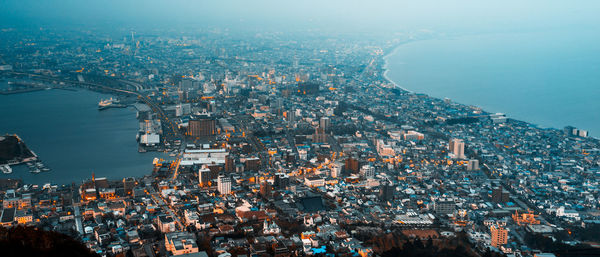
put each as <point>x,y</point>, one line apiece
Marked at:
<point>265,189</point>
<point>367,171</point>
<point>336,170</point>
<point>499,195</point>
<point>457,148</point>
<point>252,164</point>
<point>499,235</point>
<point>204,177</point>
<point>202,125</point>
<point>351,164</point>
<point>128,185</point>
<point>473,164</point>
<point>229,164</point>
<point>319,136</point>
<point>290,116</point>
<point>282,181</point>
<point>224,184</point>
<point>324,123</point>
<point>386,191</point>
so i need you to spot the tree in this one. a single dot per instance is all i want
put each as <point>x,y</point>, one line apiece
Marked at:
<point>28,241</point>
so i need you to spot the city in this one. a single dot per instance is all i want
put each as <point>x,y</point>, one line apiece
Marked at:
<point>276,144</point>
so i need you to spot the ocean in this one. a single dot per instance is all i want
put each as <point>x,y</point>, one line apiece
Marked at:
<point>71,137</point>
<point>549,78</point>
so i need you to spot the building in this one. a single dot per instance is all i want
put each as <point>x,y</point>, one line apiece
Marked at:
<point>314,181</point>
<point>336,170</point>
<point>166,224</point>
<point>473,165</point>
<point>457,148</point>
<point>7,217</point>
<point>203,156</point>
<point>202,125</point>
<point>150,139</point>
<point>265,189</point>
<point>367,171</point>
<point>386,191</point>
<point>128,185</point>
<point>412,135</point>
<point>270,228</point>
<point>180,243</point>
<point>319,136</point>
<point>352,165</point>
<point>224,184</point>
<point>499,195</point>
<point>499,235</point>
<point>282,181</point>
<point>183,109</point>
<point>567,213</point>
<point>525,218</point>
<point>23,216</point>
<point>385,149</point>
<point>444,206</point>
<point>204,177</point>
<point>573,131</point>
<point>251,164</point>
<point>498,118</point>
<point>325,123</point>
<point>308,88</point>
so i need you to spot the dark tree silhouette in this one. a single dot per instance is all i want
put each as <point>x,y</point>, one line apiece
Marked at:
<point>28,241</point>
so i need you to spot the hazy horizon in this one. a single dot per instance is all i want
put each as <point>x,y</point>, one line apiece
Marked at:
<point>346,16</point>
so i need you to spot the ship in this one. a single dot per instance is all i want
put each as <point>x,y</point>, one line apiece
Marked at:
<point>110,103</point>
<point>5,169</point>
<point>37,167</point>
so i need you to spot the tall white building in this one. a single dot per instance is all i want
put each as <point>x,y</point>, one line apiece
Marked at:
<point>367,171</point>
<point>224,184</point>
<point>336,170</point>
<point>457,148</point>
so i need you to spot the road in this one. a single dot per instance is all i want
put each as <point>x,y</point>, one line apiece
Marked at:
<point>78,223</point>
<point>161,202</point>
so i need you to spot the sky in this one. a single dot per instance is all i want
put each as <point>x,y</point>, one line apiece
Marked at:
<point>345,15</point>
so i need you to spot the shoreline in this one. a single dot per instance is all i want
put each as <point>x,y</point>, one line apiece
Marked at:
<point>385,75</point>
<point>387,69</point>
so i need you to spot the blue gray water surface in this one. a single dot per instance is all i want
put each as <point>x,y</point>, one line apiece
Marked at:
<point>551,79</point>
<point>74,139</point>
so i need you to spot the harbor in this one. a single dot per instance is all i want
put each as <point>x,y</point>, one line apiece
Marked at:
<point>103,142</point>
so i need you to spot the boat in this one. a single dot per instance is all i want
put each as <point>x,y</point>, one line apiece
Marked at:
<point>105,103</point>
<point>6,169</point>
<point>110,103</point>
<point>35,170</point>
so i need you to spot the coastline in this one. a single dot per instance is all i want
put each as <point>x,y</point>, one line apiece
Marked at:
<point>393,50</point>
<point>386,63</point>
